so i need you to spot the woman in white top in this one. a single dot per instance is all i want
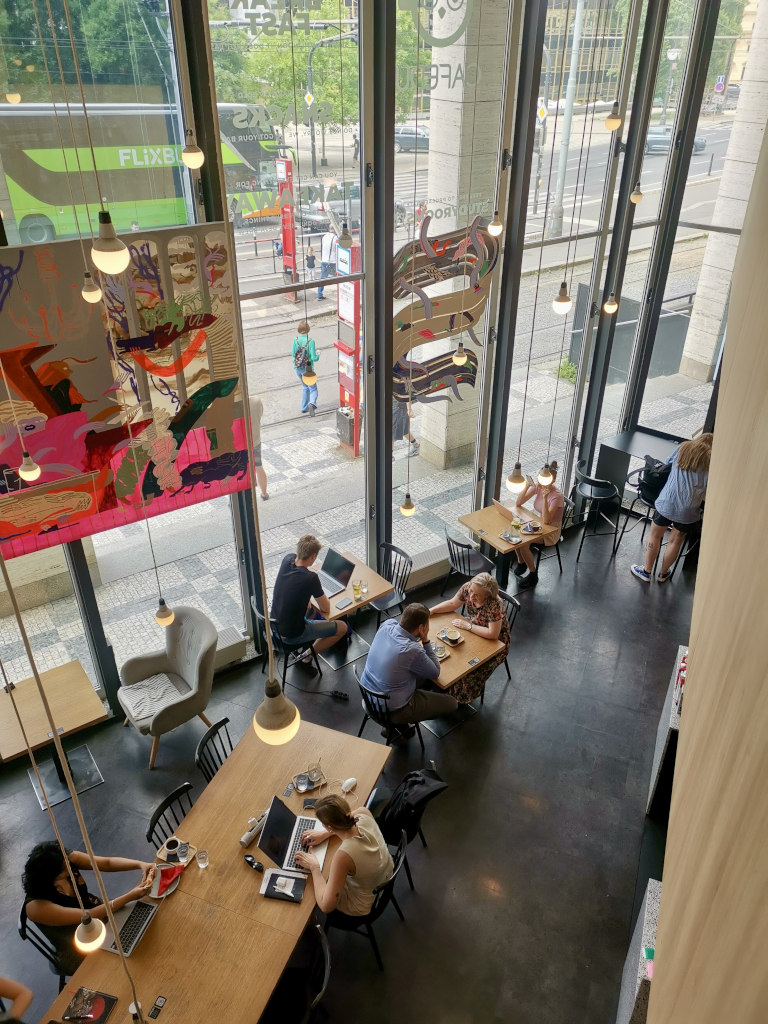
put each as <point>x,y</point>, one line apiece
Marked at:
<point>361,863</point>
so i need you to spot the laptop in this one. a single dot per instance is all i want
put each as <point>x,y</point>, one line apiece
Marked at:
<point>335,573</point>
<point>504,511</point>
<point>280,838</point>
<point>132,921</point>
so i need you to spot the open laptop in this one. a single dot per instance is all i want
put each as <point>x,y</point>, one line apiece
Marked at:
<point>132,921</point>
<point>503,511</point>
<point>281,836</point>
<point>335,573</point>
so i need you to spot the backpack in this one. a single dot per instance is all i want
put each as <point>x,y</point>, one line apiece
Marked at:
<point>652,479</point>
<point>301,357</point>
<point>406,806</point>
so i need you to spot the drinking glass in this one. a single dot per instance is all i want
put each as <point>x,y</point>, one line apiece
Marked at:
<point>357,589</point>
<point>364,586</point>
<point>202,858</point>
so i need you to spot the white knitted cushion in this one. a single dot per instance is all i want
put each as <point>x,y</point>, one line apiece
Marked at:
<point>145,699</point>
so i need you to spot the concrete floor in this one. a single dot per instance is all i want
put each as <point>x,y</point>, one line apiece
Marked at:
<point>524,897</point>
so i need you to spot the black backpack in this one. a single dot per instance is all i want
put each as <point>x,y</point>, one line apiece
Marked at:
<point>651,480</point>
<point>406,806</point>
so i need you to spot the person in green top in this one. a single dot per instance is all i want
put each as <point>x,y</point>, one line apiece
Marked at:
<point>305,355</point>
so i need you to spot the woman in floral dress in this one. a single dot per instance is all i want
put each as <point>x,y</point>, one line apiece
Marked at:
<point>484,615</point>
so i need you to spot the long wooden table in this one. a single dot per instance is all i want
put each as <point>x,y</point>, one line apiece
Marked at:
<point>216,949</point>
<point>456,665</point>
<point>490,525</point>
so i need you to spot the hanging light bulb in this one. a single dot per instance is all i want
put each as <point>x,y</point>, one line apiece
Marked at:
<point>164,615</point>
<point>344,240</point>
<point>516,481</point>
<point>546,476</point>
<point>277,719</point>
<point>109,254</point>
<point>89,934</point>
<point>12,94</point>
<point>17,61</point>
<point>459,356</point>
<point>90,291</point>
<point>29,67</point>
<point>636,195</point>
<point>29,469</point>
<point>192,156</point>
<point>407,508</point>
<point>613,121</point>
<point>562,304</point>
<point>611,304</point>
<point>495,227</point>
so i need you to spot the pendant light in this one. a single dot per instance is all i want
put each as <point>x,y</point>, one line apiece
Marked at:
<point>545,475</point>
<point>611,304</point>
<point>89,934</point>
<point>108,253</point>
<point>12,94</point>
<point>562,304</point>
<point>90,291</point>
<point>29,469</point>
<point>277,719</point>
<point>495,227</point>
<point>613,121</point>
<point>164,615</point>
<point>344,241</point>
<point>408,508</point>
<point>637,194</point>
<point>459,356</point>
<point>192,156</point>
<point>516,481</point>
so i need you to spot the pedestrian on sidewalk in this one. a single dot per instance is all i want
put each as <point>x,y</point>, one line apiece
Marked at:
<point>355,149</point>
<point>311,263</point>
<point>401,426</point>
<point>305,355</point>
<point>327,258</point>
<point>257,411</point>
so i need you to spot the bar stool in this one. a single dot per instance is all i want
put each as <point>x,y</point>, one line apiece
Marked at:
<point>596,492</point>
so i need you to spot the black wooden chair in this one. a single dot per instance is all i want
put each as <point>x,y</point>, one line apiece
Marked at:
<point>511,608</point>
<point>383,895</point>
<point>634,480</point>
<point>284,649</point>
<point>396,567</point>
<point>302,985</point>
<point>541,548</point>
<point>29,932</point>
<point>596,493</point>
<point>465,560</point>
<point>376,709</point>
<point>213,749</point>
<point>169,814</point>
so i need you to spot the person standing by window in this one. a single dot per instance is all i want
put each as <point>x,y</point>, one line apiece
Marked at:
<point>305,355</point>
<point>327,258</point>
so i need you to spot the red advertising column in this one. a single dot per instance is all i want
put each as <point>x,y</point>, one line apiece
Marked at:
<point>284,171</point>
<point>349,261</point>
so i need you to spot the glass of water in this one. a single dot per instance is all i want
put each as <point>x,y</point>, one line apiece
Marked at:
<point>202,858</point>
<point>364,586</point>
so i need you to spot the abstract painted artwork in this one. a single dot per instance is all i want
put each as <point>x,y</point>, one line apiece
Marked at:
<point>131,406</point>
<point>429,316</point>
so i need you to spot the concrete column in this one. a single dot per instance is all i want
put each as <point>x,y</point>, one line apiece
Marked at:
<point>704,331</point>
<point>465,107</point>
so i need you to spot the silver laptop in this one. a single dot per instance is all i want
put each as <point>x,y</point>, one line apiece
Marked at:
<point>132,921</point>
<point>280,838</point>
<point>335,573</point>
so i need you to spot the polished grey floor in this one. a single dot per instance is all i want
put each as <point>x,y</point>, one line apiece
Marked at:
<point>524,896</point>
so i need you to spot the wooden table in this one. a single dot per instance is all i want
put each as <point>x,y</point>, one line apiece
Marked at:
<point>74,706</point>
<point>456,665</point>
<point>378,587</point>
<point>216,943</point>
<point>489,525</point>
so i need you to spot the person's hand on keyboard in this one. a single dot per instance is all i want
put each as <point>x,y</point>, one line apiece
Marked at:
<point>308,861</point>
<point>314,838</point>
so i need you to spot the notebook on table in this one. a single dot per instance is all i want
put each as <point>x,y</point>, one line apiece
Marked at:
<point>335,573</point>
<point>280,838</point>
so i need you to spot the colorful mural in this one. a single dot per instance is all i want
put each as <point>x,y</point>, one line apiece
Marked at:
<point>472,253</point>
<point>129,406</point>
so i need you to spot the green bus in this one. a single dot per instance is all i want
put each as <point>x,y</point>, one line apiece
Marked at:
<point>137,150</point>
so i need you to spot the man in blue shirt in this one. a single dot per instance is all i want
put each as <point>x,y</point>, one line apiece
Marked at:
<point>401,662</point>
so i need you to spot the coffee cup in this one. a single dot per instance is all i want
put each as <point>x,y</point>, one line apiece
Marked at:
<point>451,633</point>
<point>172,848</point>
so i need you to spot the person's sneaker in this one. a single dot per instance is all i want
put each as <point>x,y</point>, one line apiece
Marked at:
<point>520,569</point>
<point>311,409</point>
<point>662,577</point>
<point>528,581</point>
<point>639,571</point>
<point>414,449</point>
<point>306,657</point>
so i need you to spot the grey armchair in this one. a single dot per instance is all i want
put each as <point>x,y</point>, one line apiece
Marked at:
<point>162,690</point>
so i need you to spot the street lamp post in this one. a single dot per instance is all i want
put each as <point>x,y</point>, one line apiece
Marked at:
<point>672,56</point>
<point>555,220</point>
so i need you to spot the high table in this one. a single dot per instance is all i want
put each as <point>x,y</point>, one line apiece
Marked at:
<point>74,705</point>
<point>217,948</point>
<point>490,526</point>
<point>615,453</point>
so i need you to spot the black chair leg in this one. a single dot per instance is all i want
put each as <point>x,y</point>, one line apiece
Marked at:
<point>482,697</point>
<point>506,666</point>
<point>557,552</point>
<point>62,982</point>
<point>396,905</point>
<point>584,531</point>
<point>421,837</point>
<point>375,945</point>
<point>360,730</point>
<point>421,738</point>
<point>378,619</point>
<point>408,872</point>
<point>616,530</point>
<point>316,661</point>
<point>285,668</point>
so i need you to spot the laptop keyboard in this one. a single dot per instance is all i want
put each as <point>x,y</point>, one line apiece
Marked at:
<point>330,585</point>
<point>303,825</point>
<point>134,927</point>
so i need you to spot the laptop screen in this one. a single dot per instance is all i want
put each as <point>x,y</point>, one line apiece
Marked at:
<point>339,567</point>
<point>278,829</point>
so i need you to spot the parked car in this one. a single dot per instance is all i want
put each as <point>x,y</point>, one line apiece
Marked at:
<point>410,137</point>
<point>343,198</point>
<point>659,139</point>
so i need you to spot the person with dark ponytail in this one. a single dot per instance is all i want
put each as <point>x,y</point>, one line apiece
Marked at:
<point>549,505</point>
<point>360,864</point>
